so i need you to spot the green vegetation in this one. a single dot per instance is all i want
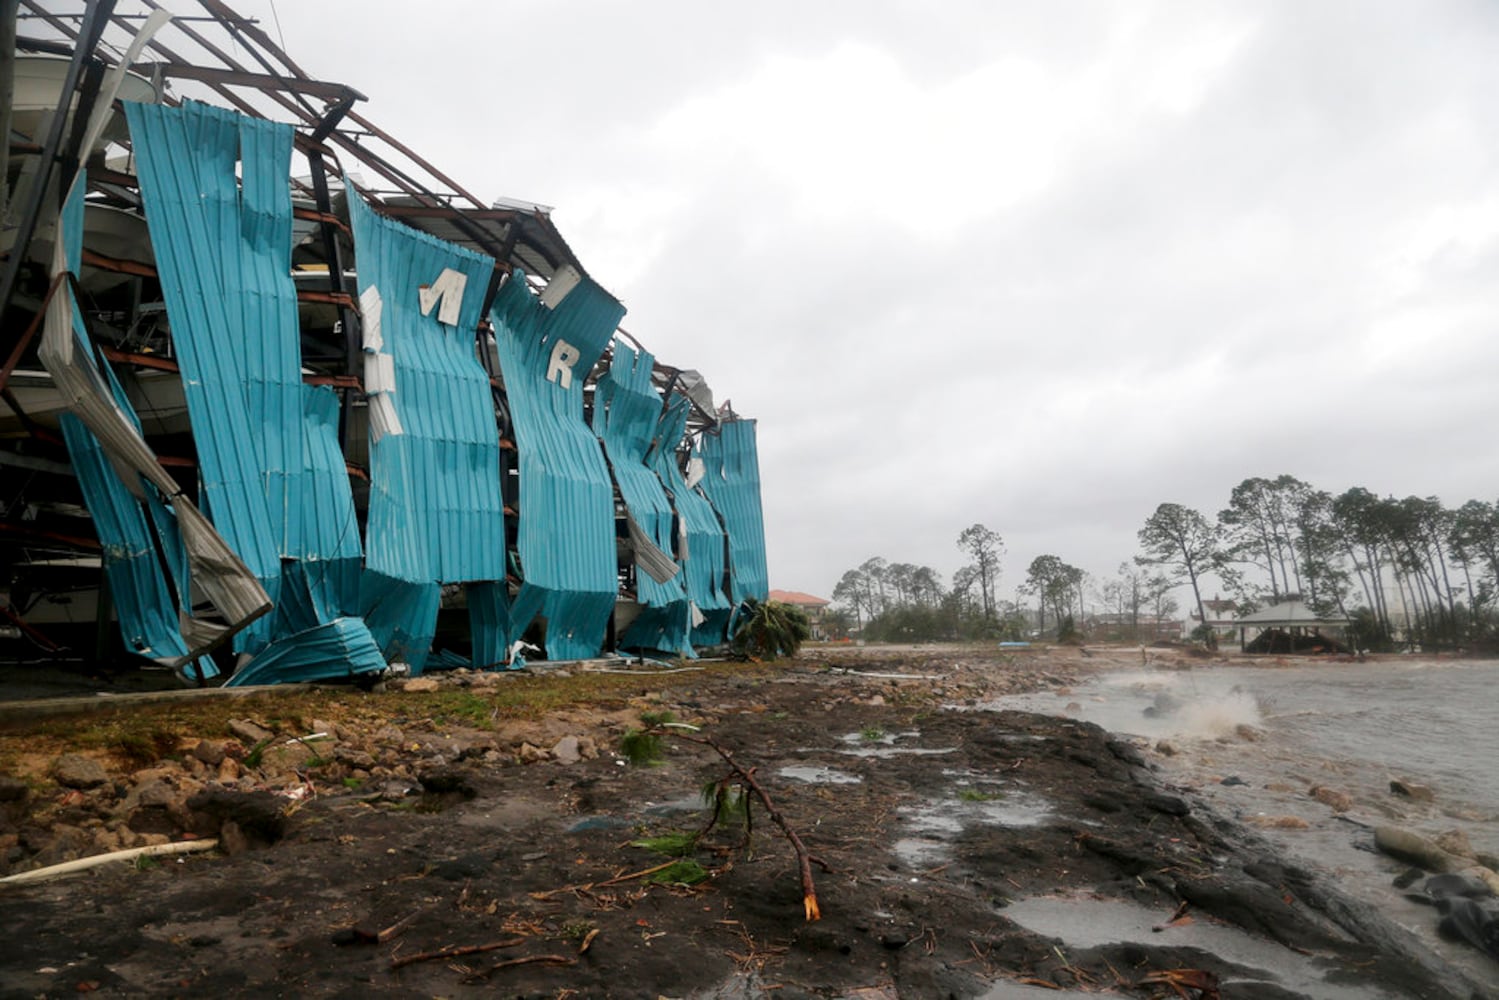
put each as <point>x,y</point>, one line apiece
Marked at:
<point>1407,572</point>
<point>872,734</point>
<point>144,730</point>
<point>769,630</point>
<point>676,844</point>
<point>145,745</point>
<point>684,873</point>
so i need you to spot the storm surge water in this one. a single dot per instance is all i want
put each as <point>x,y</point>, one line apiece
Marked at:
<point>1298,751</point>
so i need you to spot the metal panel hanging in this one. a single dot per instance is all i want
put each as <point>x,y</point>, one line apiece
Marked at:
<point>566,525</point>
<point>731,481</point>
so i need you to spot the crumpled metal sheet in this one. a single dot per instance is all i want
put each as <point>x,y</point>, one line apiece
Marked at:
<point>565,536</point>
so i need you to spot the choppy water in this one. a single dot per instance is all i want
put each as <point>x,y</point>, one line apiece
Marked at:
<point>1351,728</point>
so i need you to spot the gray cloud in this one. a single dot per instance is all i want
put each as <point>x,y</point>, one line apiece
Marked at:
<point>1038,265</point>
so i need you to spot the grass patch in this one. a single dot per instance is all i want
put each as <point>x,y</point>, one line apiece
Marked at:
<point>676,844</point>
<point>872,734</point>
<point>522,697</point>
<point>464,708</point>
<point>144,746</point>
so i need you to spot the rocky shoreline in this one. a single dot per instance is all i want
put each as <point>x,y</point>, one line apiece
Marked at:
<point>484,828</point>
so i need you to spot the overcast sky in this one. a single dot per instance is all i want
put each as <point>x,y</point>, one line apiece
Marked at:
<point>1041,265</point>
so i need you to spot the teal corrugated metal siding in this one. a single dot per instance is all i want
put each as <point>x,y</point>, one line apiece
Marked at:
<point>626,412</point>
<point>339,649</point>
<point>703,560</point>
<point>732,483</point>
<point>185,160</point>
<point>402,616</point>
<point>435,509</point>
<point>142,595</point>
<point>566,524</point>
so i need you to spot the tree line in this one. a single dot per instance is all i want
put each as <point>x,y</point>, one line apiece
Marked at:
<point>1403,571</point>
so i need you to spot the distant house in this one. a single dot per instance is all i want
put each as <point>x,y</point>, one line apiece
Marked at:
<point>1222,617</point>
<point>815,607</point>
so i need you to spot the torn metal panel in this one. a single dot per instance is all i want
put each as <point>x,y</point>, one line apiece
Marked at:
<point>402,616</point>
<point>331,554</point>
<point>700,546</point>
<point>566,525</point>
<point>626,410</point>
<point>626,413</point>
<point>100,409</point>
<point>732,482</point>
<point>436,515</point>
<point>489,624</point>
<point>223,254</point>
<point>337,650</point>
<point>143,600</point>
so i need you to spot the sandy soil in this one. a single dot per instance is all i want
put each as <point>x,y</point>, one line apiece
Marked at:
<point>935,819</point>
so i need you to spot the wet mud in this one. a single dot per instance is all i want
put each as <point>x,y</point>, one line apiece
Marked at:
<point>968,853</point>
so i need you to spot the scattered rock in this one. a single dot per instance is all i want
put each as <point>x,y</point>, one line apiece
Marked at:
<point>530,754</point>
<point>1231,780</point>
<point>1408,878</point>
<point>210,752</point>
<point>1485,875</point>
<point>417,685</point>
<point>1166,748</point>
<point>257,816</point>
<point>249,732</point>
<point>566,751</point>
<point>66,844</point>
<point>1279,822</point>
<point>287,757</point>
<point>229,771</point>
<point>389,735</point>
<point>1410,790</point>
<point>1171,805</point>
<point>328,729</point>
<point>73,770</point>
<point>1454,842</point>
<point>1332,798</point>
<point>1414,849</point>
<point>354,757</point>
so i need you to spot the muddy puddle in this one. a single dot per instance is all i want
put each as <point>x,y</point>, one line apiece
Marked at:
<point>1088,922</point>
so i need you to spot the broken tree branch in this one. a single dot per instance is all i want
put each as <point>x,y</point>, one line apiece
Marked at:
<point>527,960</point>
<point>746,777</point>
<point>454,951</point>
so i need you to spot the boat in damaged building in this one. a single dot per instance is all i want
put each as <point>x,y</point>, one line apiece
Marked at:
<point>280,401</point>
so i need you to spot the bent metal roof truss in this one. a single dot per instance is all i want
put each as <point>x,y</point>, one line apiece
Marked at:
<point>391,408</point>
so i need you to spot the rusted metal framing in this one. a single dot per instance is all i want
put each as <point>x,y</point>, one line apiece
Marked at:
<point>54,153</point>
<point>322,135</point>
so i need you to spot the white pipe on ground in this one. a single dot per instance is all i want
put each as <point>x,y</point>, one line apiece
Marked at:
<point>95,860</point>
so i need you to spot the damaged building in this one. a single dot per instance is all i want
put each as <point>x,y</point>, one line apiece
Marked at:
<point>282,401</point>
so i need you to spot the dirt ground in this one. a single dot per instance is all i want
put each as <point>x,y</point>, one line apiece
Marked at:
<point>486,828</point>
